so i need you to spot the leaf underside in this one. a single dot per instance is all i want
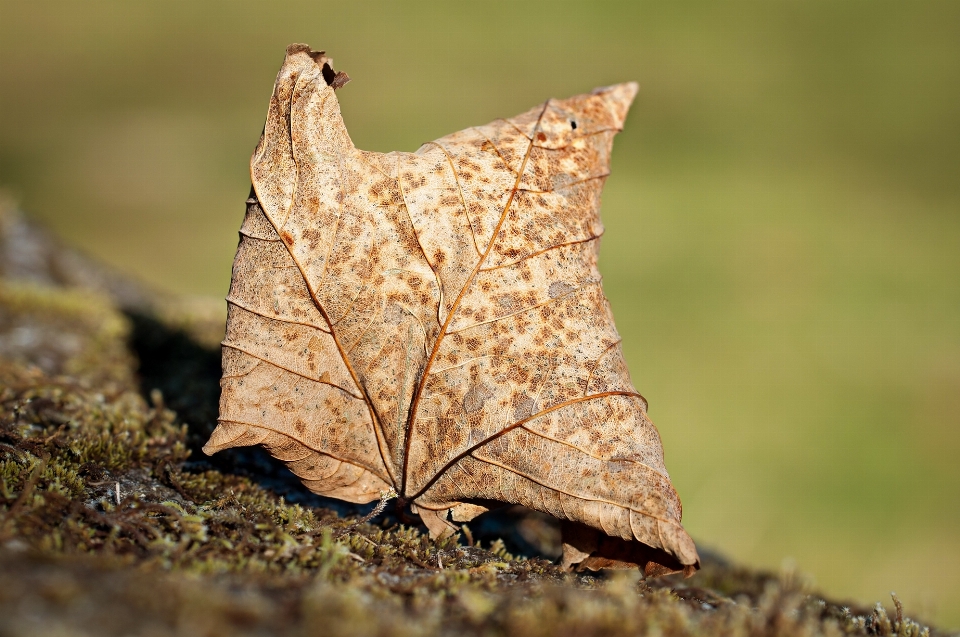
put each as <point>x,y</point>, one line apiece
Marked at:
<point>433,322</point>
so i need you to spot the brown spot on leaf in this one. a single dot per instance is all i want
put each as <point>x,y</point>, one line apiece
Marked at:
<point>559,288</point>
<point>477,395</point>
<point>523,408</point>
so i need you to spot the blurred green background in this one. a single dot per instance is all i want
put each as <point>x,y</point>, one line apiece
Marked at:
<point>783,219</point>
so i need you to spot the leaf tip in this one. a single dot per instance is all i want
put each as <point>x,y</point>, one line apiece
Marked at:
<point>228,434</point>
<point>618,98</point>
<point>333,78</point>
<point>299,47</point>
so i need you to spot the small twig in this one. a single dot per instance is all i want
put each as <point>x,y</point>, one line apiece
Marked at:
<point>385,497</point>
<point>368,540</point>
<point>116,493</point>
<point>56,433</point>
<point>160,509</point>
<point>416,560</point>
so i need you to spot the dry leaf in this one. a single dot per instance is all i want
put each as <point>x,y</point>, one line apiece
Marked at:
<point>433,323</point>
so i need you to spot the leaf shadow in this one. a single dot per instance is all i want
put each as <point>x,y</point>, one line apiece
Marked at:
<point>187,374</point>
<point>524,532</point>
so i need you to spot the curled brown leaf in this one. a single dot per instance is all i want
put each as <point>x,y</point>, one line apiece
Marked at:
<point>433,323</point>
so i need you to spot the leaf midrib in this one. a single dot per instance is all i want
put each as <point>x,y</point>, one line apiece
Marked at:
<point>414,405</point>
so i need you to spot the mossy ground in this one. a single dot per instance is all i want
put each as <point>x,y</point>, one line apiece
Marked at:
<point>111,524</point>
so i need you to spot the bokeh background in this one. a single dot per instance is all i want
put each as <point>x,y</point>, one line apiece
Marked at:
<point>783,219</point>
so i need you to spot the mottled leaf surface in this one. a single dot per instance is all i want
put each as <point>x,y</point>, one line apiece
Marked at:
<point>434,323</point>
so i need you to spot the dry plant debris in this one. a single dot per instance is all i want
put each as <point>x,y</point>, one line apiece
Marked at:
<point>433,324</point>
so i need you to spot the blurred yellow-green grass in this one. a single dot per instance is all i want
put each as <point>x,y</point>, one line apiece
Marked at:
<point>783,220</point>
